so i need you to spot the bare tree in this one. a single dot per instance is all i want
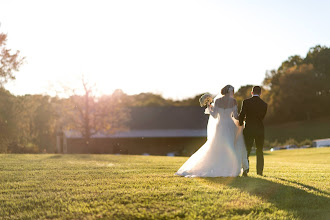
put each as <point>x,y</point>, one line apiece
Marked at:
<point>92,115</point>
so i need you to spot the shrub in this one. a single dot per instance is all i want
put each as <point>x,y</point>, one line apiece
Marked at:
<point>18,148</point>
<point>305,142</point>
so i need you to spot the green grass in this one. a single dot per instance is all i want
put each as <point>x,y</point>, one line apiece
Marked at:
<point>295,186</point>
<point>301,130</point>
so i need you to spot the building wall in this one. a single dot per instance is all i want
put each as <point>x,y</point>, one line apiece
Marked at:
<point>153,146</point>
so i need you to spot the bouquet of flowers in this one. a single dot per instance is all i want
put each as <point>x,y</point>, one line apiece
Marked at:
<point>205,99</point>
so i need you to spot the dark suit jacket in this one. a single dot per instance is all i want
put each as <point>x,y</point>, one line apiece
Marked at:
<point>253,112</point>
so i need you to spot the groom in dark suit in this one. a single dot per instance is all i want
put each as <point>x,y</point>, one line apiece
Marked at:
<point>253,112</point>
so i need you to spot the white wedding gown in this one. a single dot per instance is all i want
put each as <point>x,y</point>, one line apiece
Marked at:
<point>224,153</point>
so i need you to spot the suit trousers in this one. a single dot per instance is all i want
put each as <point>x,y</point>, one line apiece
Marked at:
<point>259,140</point>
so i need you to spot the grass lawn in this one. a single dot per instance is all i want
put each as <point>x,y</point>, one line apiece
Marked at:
<point>295,186</point>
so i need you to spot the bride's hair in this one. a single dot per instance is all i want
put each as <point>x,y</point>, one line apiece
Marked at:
<point>225,89</point>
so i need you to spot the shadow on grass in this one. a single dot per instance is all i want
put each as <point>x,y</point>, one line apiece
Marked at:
<point>58,156</point>
<point>305,186</point>
<point>83,157</point>
<point>76,156</point>
<point>253,153</point>
<point>302,204</point>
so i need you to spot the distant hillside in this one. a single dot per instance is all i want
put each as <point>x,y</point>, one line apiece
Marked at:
<point>313,129</point>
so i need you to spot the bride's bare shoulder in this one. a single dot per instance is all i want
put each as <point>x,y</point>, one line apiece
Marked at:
<point>225,102</point>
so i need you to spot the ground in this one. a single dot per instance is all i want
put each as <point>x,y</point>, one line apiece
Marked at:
<point>295,186</point>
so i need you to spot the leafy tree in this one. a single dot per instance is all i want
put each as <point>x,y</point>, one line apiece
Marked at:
<point>34,119</point>
<point>146,99</point>
<point>291,62</point>
<point>7,119</point>
<point>242,93</point>
<point>194,101</point>
<point>9,62</point>
<point>300,88</point>
<point>319,57</point>
<point>44,120</point>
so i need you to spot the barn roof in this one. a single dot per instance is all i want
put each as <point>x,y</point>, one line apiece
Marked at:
<point>326,139</point>
<point>168,117</point>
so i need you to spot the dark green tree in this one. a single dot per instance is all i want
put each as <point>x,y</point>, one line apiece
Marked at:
<point>300,88</point>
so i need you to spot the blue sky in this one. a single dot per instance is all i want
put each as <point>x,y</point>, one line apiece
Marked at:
<point>174,48</point>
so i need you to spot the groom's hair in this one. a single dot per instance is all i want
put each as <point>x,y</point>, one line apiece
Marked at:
<point>256,90</point>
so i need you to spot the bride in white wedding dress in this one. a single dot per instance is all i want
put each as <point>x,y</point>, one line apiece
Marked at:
<point>224,153</point>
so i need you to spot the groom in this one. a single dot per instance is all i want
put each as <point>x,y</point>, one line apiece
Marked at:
<point>253,112</point>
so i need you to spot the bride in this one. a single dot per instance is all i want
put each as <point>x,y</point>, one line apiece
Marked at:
<point>224,153</point>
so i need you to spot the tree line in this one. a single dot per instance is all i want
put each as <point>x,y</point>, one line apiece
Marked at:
<point>298,90</point>
<point>30,123</point>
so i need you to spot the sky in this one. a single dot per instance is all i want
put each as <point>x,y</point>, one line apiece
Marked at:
<point>174,48</point>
